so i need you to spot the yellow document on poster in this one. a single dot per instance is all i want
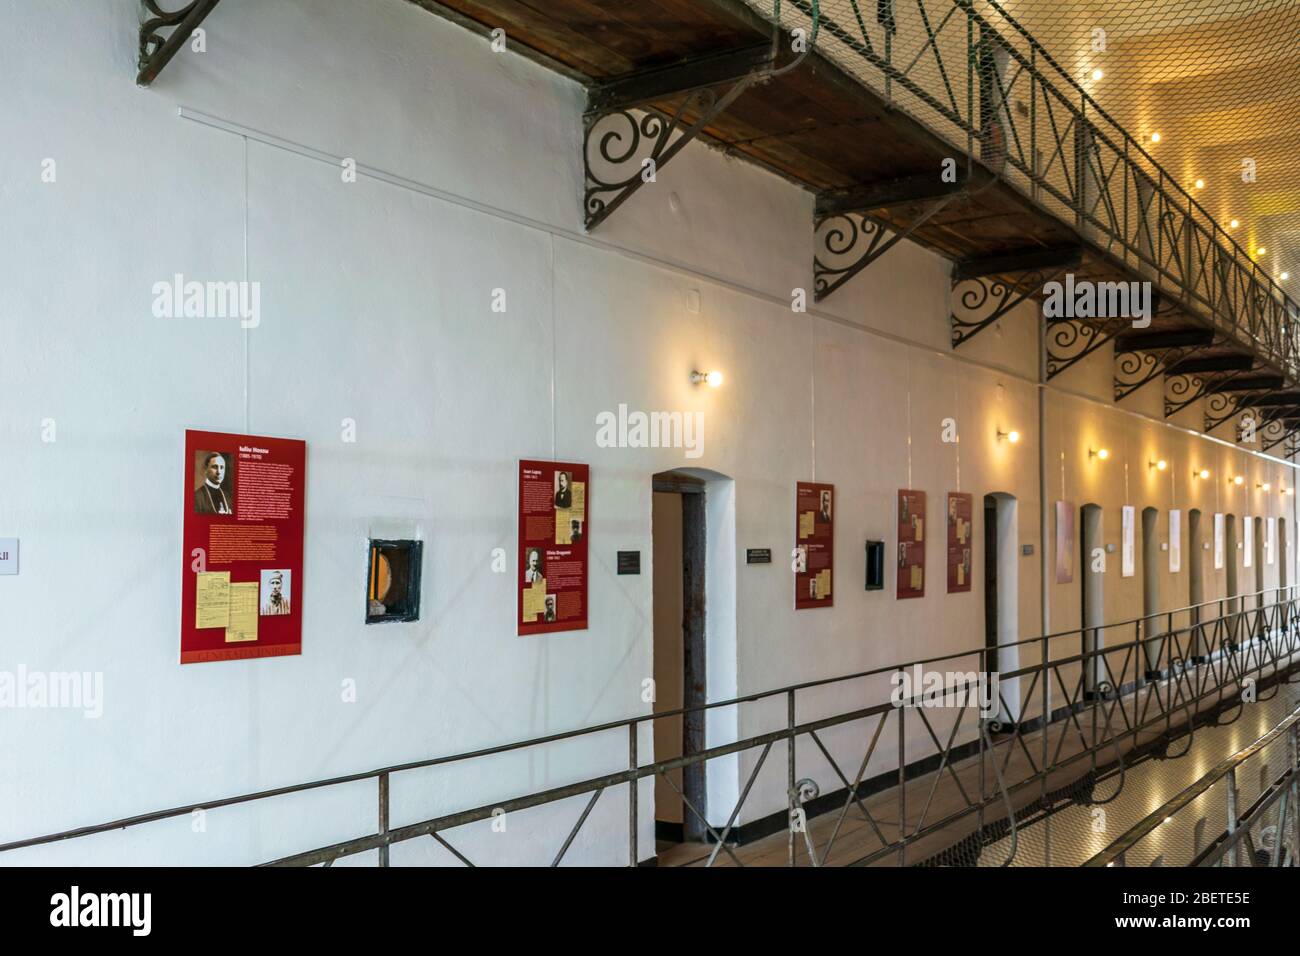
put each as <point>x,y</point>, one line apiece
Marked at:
<point>920,527</point>
<point>823,584</point>
<point>578,501</point>
<point>916,577</point>
<point>243,613</point>
<point>212,599</point>
<point>564,525</point>
<point>961,575</point>
<point>806,524</point>
<point>534,599</point>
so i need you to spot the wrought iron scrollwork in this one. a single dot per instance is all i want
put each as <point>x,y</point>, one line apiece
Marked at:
<point>1221,406</point>
<point>1135,369</point>
<point>981,301</point>
<point>1068,341</point>
<point>1181,391</point>
<point>157,48</point>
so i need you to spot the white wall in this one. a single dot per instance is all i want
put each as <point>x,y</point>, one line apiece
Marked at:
<point>376,307</point>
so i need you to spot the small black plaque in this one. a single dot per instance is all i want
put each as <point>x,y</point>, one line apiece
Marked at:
<point>629,562</point>
<point>758,555</point>
<point>1026,549</point>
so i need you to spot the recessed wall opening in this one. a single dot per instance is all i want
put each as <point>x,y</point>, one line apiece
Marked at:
<point>1196,582</point>
<point>1259,533</point>
<point>1152,621</point>
<point>1002,599</point>
<point>678,542</point>
<point>1093,553</point>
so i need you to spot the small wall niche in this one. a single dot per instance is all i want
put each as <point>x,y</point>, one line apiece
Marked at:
<point>393,581</point>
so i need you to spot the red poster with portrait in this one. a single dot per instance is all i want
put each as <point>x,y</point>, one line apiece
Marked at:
<point>911,544</point>
<point>554,504</point>
<point>960,505</point>
<point>814,549</point>
<point>241,580</point>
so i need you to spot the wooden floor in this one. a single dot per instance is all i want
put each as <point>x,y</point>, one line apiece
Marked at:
<point>857,839</point>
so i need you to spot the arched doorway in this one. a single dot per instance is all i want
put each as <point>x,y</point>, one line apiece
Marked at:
<point>1002,599</point>
<point>1093,563</point>
<point>1152,621</point>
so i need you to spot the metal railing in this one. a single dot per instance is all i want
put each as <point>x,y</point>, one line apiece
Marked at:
<point>1266,833</point>
<point>1102,690</point>
<point>968,70</point>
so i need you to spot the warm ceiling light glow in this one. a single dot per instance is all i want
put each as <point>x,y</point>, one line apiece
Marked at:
<point>1012,436</point>
<point>1155,137</point>
<point>1260,251</point>
<point>1097,74</point>
<point>1102,453</point>
<point>1200,184</point>
<point>1238,480</point>
<point>713,379</point>
<point>1160,465</point>
<point>1234,224</point>
<point>1202,474</point>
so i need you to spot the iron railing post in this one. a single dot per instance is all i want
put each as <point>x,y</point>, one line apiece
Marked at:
<point>633,784</point>
<point>383,817</point>
<point>791,796</point>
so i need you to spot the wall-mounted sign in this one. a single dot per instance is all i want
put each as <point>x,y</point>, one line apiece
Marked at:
<point>1064,542</point>
<point>758,555</point>
<point>1175,541</point>
<point>1248,540</point>
<point>241,581</point>
<point>959,541</point>
<point>814,553</point>
<point>8,555</point>
<point>629,562</point>
<point>554,503</point>
<point>1270,539</point>
<point>1026,550</point>
<point>1128,536</point>
<point>1218,541</point>
<point>911,544</point>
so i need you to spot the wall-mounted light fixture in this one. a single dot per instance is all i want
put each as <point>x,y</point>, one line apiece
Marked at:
<point>1238,479</point>
<point>1012,436</point>
<point>1203,474</point>
<point>1158,465</point>
<point>1102,453</point>
<point>1288,491</point>
<point>712,379</point>
<point>1265,486</point>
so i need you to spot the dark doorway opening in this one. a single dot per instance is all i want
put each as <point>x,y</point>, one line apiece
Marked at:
<point>678,541</point>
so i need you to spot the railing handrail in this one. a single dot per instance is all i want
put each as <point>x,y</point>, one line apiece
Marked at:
<point>1281,348</point>
<point>633,722</point>
<point>1148,824</point>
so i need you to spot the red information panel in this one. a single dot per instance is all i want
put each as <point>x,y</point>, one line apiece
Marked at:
<point>959,534</point>
<point>814,555</point>
<point>552,582</point>
<point>911,544</point>
<point>241,585</point>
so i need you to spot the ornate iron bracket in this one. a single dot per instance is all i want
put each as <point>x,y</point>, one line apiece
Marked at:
<point>1069,341</point>
<point>1271,437</point>
<point>846,243</point>
<point>615,159</point>
<point>156,50</point>
<point>985,299</point>
<point>1181,391</point>
<point>1142,366</point>
<point>1223,406</point>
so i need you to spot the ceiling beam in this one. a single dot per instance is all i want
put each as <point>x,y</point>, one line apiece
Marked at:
<point>665,83</point>
<point>1157,341</point>
<point>1212,363</point>
<point>888,193</point>
<point>1253,384</point>
<point>1025,260</point>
